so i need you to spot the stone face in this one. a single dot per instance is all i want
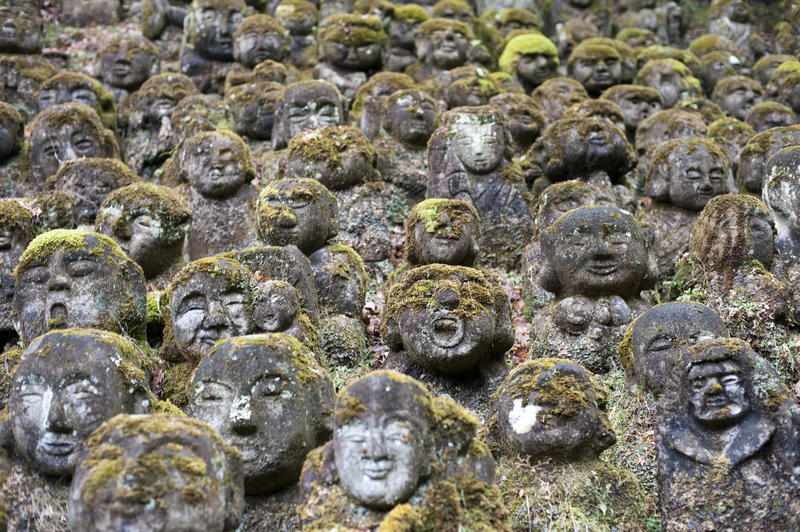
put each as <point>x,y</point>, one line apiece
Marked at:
<point>780,195</point>
<point>70,278</point>
<point>22,77</point>
<point>548,408</point>
<point>149,223</point>
<point>24,34</point>
<point>595,66</point>
<point>306,105</point>
<point>755,154</point>
<point>531,59</point>
<point>724,441</point>
<point>737,94</point>
<point>126,61</point>
<point>400,50</point>
<point>16,232</point>
<point>66,384</point>
<point>448,319</point>
<point>267,396</point>
<point>79,88</point>
<point>656,339</point>
<point>258,38</point>
<point>442,231</point>
<point>441,44</point>
<point>671,78</point>
<point>180,466</point>
<point>393,459</point>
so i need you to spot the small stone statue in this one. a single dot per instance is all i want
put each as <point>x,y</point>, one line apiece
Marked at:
<point>369,106</point>
<point>555,95</point>
<point>24,34</point>
<point>257,39</point>
<point>466,85</point>
<point>737,94</point>
<point>267,396</point>
<point>526,121</point>
<point>595,66</point>
<point>276,309</point>
<point>754,155</point>
<point>306,105</point>
<point>351,48</point>
<point>684,175</point>
<point>150,224</point>
<point>70,278</point>
<point>441,44</point>
<point>207,49</point>
<point>176,467</point>
<point>732,19</point>
<point>126,61</point>
<point>782,198</point>
<point>656,339</point>
<point>65,132</point>
<point>596,261</point>
<point>530,59</point>
<point>766,115</point>
<point>301,19</point>
<point>469,158</point>
<point>731,135</point>
<point>400,49</point>
<point>671,78</point>
<point>726,442</point>
<point>442,231</point>
<point>637,103</point>
<point>79,88</point>
<point>399,458</point>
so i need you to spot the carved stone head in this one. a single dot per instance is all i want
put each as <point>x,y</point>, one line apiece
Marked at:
<point>156,99</point>
<point>79,88</point>
<point>126,61</point>
<point>637,103</point>
<point>595,66</point>
<point>411,116</point>
<point>258,38</point>
<point>12,128</point>
<point>526,121</point>
<point>267,396</point>
<point>24,29</point>
<point>443,231</point>
<point>671,78</point>
<point>217,163</point>
<point>352,42</point>
<point>210,26</point>
<point>340,279</point>
<point>737,94</point>
<point>555,95</point>
<point>306,105</point>
<point>443,43</point>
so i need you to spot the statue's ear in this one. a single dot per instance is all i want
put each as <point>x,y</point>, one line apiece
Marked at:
<point>657,186</point>
<point>548,277</point>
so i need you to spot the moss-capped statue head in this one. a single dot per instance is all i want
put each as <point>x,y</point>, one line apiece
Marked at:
<point>517,18</point>
<point>598,108</point>
<point>210,26</point>
<point>455,10</point>
<point>91,180</point>
<point>258,38</point>
<point>217,163</point>
<point>555,95</point>
<point>443,231</point>
<point>766,115</point>
<point>737,94</point>
<point>411,116</point>
<point>443,43</point>
<point>781,192</point>
<point>267,396</point>
<point>157,472</point>
<point>655,340</point>
<point>526,121</point>
<point>688,172</point>
<point>712,42</point>
<point>297,211</point>
<point>549,407</point>
<point>127,60</point>
<point>79,88</point>
<point>65,132</point>
<point>70,278</point>
<point>209,299</point>
<point>352,42</point>
<point>276,306</point>
<point>665,125</point>
<point>531,58</point>
<point>300,17</point>
<point>25,30</point>
<point>716,66</point>
<point>16,227</point>
<point>340,279</point>
<point>466,85</point>
<point>596,251</point>
<point>448,318</point>
<point>12,128</point>
<point>764,68</point>
<point>735,10</point>
<point>754,155</point>
<point>560,198</point>
<point>157,98</point>
<point>149,222</point>
<point>339,157</point>
<point>383,438</point>
<point>595,66</point>
<point>306,105</point>
<point>731,231</point>
<point>671,78</point>
<point>66,384</point>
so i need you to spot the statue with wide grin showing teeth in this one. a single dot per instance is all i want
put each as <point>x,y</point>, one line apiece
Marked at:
<point>596,260</point>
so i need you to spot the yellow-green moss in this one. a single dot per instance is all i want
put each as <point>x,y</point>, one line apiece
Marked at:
<point>141,198</point>
<point>44,245</point>
<point>353,30</point>
<point>410,13</point>
<point>436,24</point>
<point>329,143</point>
<point>522,45</point>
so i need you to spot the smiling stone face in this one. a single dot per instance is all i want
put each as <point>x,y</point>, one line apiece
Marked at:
<point>259,38</point>
<point>209,300</point>
<point>20,30</point>
<point>267,396</point>
<point>67,384</point>
<point>443,231</point>
<point>217,163</point>
<point>382,438</point>
<point>213,23</point>
<point>126,61</point>
<point>170,473</point>
<point>448,318</point>
<point>69,278</point>
<point>548,407</point>
<point>594,251</point>
<point>306,105</point>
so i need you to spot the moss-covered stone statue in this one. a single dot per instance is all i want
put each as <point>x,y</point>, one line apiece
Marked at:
<point>400,49</point>
<point>267,396</point>
<point>595,66</point>
<point>342,159</point>
<point>725,440</point>
<point>451,326</point>
<point>547,426</point>
<point>150,224</point>
<point>530,59</point>
<point>469,158</point>
<point>306,105</point>
<point>302,212</point>
<point>754,155</point>
<point>301,19</point>
<point>597,108</point>
<point>400,460</point>
<point>207,49</point>
<point>732,19</point>
<point>257,38</point>
<point>442,231</point>
<point>555,95</point>
<point>731,135</point>
<point>591,11</point>
<point>441,44</point>
<point>764,68</point>
<point>65,132</point>
<point>409,120</point>
<point>70,278</point>
<point>637,103</point>
<point>782,197</point>
<point>369,106</point>
<point>466,85</point>
<point>684,175</point>
<point>16,231</point>
<point>766,115</point>
<point>14,153</point>
<point>657,129</point>
<point>671,78</point>
<point>147,136</point>
<point>526,121</point>
<point>176,467</point>
<point>90,180</point>
<point>277,309</point>
<point>351,48</point>
<point>73,87</point>
<point>218,168</point>
<point>126,61</point>
<point>597,260</point>
<point>655,340</point>
<point>737,94</point>
<point>25,28</point>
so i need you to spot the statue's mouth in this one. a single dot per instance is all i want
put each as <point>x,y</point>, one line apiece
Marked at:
<point>208,337</point>
<point>602,268</point>
<point>58,445</point>
<point>57,316</point>
<point>447,330</point>
<point>717,402</point>
<point>377,470</point>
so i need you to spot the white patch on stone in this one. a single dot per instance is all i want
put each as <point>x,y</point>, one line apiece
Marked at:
<point>523,418</point>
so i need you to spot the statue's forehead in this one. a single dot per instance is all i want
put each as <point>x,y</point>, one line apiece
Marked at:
<point>600,222</point>
<point>79,355</point>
